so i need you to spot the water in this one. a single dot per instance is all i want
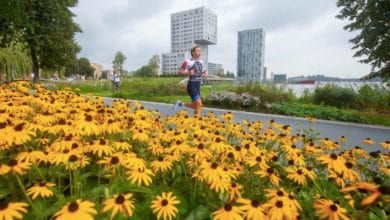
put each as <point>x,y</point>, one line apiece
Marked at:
<point>298,89</point>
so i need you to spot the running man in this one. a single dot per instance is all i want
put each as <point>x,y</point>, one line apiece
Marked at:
<point>193,67</point>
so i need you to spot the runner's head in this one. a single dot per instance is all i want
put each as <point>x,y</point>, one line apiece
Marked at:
<point>195,51</point>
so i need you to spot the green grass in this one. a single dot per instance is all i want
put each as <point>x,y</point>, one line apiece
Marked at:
<point>168,90</point>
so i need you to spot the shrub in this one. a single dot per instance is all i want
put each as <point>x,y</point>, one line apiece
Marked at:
<point>231,99</point>
<point>333,95</point>
<point>268,93</point>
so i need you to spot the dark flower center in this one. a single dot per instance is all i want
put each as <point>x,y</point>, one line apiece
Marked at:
<point>73,158</point>
<point>299,172</point>
<point>200,146</point>
<point>247,146</point>
<point>164,202</point>
<point>120,199</point>
<point>228,207</point>
<point>42,184</point>
<point>349,165</point>
<point>275,158</point>
<point>270,170</point>
<point>3,206</point>
<point>12,163</point>
<point>279,204</point>
<point>258,159</point>
<point>238,148</point>
<point>102,142</point>
<point>88,118</point>
<point>333,156</point>
<point>217,140</point>
<point>160,159</point>
<point>291,162</point>
<point>19,127</point>
<point>333,207</point>
<point>280,193</point>
<point>255,203</point>
<point>75,145</point>
<point>214,165</point>
<point>114,160</point>
<point>73,207</point>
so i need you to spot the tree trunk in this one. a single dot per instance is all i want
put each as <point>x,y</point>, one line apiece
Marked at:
<point>35,64</point>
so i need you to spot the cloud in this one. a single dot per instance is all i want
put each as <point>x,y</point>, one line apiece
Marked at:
<point>302,37</point>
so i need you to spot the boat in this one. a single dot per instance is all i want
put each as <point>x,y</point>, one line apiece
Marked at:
<point>301,80</point>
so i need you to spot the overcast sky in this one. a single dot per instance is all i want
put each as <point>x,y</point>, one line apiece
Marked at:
<point>302,37</point>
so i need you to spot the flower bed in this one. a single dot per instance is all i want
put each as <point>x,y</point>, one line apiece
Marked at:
<point>66,156</point>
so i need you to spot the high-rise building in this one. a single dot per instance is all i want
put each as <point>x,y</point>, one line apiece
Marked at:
<point>98,70</point>
<point>215,69</point>
<point>195,26</point>
<point>250,55</point>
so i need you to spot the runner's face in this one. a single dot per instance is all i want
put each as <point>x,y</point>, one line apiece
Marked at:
<point>196,53</point>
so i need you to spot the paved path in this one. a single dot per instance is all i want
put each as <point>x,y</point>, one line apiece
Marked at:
<point>355,133</point>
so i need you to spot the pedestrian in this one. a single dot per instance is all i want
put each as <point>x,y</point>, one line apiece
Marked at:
<point>193,68</point>
<point>116,80</point>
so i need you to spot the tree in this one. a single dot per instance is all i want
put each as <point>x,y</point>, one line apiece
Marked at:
<point>46,27</point>
<point>372,18</point>
<point>85,68</point>
<point>117,63</point>
<point>154,63</point>
<point>14,62</point>
<point>144,71</point>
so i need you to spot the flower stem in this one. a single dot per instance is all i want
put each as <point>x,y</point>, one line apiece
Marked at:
<point>25,194</point>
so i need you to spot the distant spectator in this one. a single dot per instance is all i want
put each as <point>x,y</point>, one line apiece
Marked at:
<point>116,80</point>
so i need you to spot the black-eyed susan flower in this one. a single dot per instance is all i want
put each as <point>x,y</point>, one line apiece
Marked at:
<point>252,209</point>
<point>297,175</point>
<point>164,206</point>
<point>368,141</point>
<point>41,189</point>
<point>333,161</point>
<point>375,191</point>
<point>228,212</point>
<point>140,176</point>
<point>385,144</point>
<point>12,210</point>
<point>15,166</point>
<point>271,174</point>
<point>162,164</point>
<point>122,203</point>
<point>77,210</point>
<point>101,148</point>
<point>279,209</point>
<point>234,191</point>
<point>327,209</point>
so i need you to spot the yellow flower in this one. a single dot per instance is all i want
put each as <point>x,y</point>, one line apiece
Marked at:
<point>162,164</point>
<point>78,210</point>
<point>14,166</point>
<point>375,191</point>
<point>297,175</point>
<point>333,162</point>
<point>140,176</point>
<point>271,174</point>
<point>41,189</point>
<point>12,210</point>
<point>120,203</point>
<point>279,209</point>
<point>228,212</point>
<point>252,209</point>
<point>164,206</point>
<point>235,191</point>
<point>327,209</point>
<point>368,141</point>
<point>386,145</point>
<point>101,148</point>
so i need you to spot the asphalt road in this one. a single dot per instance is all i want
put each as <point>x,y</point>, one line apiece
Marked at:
<point>355,133</point>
